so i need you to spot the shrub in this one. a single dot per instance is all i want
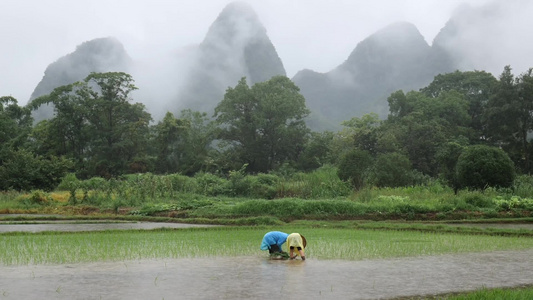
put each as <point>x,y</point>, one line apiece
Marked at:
<point>515,202</point>
<point>477,199</point>
<point>70,183</point>
<point>523,186</point>
<point>37,197</point>
<point>392,170</point>
<point>480,166</point>
<point>182,183</point>
<point>354,167</point>
<point>321,183</point>
<point>212,185</point>
<point>21,170</point>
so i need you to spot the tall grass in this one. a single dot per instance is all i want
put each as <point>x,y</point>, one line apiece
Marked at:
<point>503,294</point>
<point>317,195</point>
<point>323,243</point>
<point>14,202</point>
<point>139,188</point>
<point>319,184</point>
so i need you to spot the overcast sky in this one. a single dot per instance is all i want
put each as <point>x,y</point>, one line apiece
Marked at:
<point>307,34</point>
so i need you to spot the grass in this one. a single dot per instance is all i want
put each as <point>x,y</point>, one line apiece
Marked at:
<point>409,203</point>
<point>525,293</point>
<point>324,243</point>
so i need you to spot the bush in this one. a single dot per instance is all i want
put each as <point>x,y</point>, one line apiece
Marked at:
<point>212,185</point>
<point>479,200</point>
<point>37,197</point>
<point>182,183</point>
<point>70,183</point>
<point>354,167</point>
<point>321,183</point>
<point>392,170</point>
<point>515,202</point>
<point>523,186</point>
<point>23,171</point>
<point>480,167</point>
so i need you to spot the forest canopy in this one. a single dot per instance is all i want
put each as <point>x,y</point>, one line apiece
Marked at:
<point>99,131</point>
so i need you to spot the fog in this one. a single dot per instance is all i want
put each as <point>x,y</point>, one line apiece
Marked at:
<point>307,34</point>
<point>494,35</point>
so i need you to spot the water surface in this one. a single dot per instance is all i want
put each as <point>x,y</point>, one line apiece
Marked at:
<point>96,226</point>
<point>256,277</point>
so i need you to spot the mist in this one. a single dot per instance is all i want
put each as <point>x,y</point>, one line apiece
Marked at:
<point>493,36</point>
<point>160,79</point>
<point>307,34</point>
<point>180,58</point>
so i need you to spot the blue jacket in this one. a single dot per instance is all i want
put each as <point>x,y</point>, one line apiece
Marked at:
<point>273,238</point>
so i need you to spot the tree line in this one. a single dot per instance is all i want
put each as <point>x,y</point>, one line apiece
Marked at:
<point>467,129</point>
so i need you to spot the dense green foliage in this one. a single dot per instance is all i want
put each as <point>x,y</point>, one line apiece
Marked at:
<point>263,125</point>
<point>481,166</point>
<point>269,199</point>
<point>96,132</point>
<point>354,167</point>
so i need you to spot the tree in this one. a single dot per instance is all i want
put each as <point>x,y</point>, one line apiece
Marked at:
<point>525,96</point>
<point>476,87</point>
<point>317,151</point>
<point>447,157</point>
<point>15,123</point>
<point>509,116</point>
<point>422,124</point>
<point>19,168</point>
<point>198,150</point>
<point>392,170</point>
<point>364,131</point>
<point>263,125</point>
<point>354,167</point>
<point>25,171</point>
<point>481,166</point>
<point>119,129</point>
<point>66,133</point>
<point>167,141</point>
<point>95,124</point>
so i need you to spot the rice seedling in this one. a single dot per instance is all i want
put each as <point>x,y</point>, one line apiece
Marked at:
<point>323,243</point>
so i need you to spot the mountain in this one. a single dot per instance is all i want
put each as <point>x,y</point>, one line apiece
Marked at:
<point>98,55</point>
<point>236,46</point>
<point>396,57</point>
<point>488,37</point>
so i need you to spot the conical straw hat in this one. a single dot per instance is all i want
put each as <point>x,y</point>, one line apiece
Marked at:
<point>304,241</point>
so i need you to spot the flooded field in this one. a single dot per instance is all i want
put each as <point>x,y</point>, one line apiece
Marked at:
<point>256,277</point>
<point>96,226</point>
<point>526,226</point>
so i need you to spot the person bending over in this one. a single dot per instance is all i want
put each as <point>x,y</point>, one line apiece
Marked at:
<point>296,241</point>
<point>273,240</point>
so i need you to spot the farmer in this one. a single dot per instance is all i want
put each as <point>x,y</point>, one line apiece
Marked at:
<point>273,240</point>
<point>296,241</point>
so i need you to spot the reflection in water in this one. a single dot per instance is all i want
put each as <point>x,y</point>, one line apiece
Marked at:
<point>257,277</point>
<point>295,276</point>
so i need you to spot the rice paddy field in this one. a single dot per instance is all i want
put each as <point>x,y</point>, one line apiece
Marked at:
<point>325,243</point>
<point>422,242</point>
<point>218,254</point>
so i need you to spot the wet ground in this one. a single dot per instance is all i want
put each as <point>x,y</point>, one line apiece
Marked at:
<point>256,277</point>
<point>39,225</point>
<point>96,226</point>
<point>527,226</point>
